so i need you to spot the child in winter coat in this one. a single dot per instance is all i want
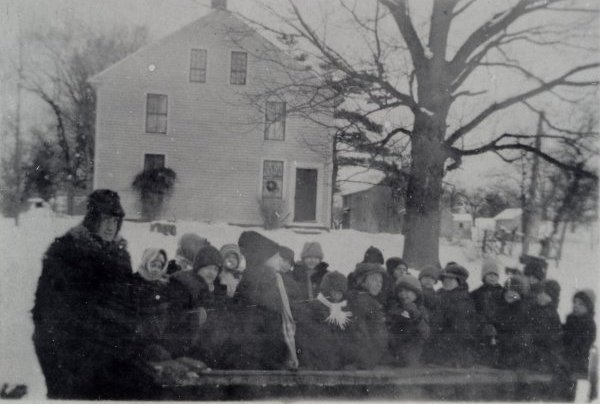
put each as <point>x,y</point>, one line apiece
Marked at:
<point>512,323</point>
<point>396,267</point>
<point>452,339</point>
<point>428,277</point>
<point>188,246</point>
<point>309,272</point>
<point>407,322</point>
<point>546,329</point>
<point>322,334</point>
<point>373,255</point>
<point>369,331</point>
<point>150,296</point>
<point>580,331</point>
<point>191,294</point>
<point>487,299</point>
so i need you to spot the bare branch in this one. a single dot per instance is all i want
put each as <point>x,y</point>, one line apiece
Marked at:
<point>560,81</point>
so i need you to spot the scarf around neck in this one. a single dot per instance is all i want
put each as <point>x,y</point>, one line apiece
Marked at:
<point>337,316</point>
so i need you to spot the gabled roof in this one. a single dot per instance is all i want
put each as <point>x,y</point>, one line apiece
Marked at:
<point>215,17</point>
<point>509,214</point>
<point>357,179</point>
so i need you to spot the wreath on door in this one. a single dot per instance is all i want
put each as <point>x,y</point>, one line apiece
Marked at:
<point>272,186</point>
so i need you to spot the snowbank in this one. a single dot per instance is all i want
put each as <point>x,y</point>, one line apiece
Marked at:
<point>22,249</point>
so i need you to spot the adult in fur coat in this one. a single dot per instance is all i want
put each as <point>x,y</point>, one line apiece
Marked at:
<point>83,314</point>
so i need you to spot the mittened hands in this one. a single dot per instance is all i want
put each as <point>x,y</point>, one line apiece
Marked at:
<point>411,310</point>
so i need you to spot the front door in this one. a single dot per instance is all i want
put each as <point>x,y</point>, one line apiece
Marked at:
<point>305,201</point>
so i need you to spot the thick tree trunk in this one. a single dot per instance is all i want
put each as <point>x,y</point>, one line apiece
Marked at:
<point>422,228</point>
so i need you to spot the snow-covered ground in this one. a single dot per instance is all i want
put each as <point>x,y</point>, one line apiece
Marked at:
<point>21,250</point>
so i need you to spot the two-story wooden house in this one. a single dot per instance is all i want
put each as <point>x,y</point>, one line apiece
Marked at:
<point>201,102</point>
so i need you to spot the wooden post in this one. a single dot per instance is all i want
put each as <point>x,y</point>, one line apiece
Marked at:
<point>17,161</point>
<point>531,213</point>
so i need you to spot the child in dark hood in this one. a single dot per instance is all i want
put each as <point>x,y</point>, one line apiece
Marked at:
<point>309,272</point>
<point>267,327</point>
<point>369,331</point>
<point>190,294</point>
<point>487,299</point>
<point>579,332</point>
<point>512,323</point>
<point>188,246</point>
<point>323,336</point>
<point>407,322</point>
<point>454,324</point>
<point>546,328</point>
<point>373,255</point>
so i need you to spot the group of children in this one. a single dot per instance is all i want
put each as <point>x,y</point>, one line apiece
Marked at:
<point>250,305</point>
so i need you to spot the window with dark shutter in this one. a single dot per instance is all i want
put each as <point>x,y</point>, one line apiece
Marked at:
<point>239,64</point>
<point>152,161</point>
<point>272,179</point>
<point>275,120</point>
<point>156,113</point>
<point>198,66</point>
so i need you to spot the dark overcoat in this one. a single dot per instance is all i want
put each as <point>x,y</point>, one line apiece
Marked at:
<point>85,321</point>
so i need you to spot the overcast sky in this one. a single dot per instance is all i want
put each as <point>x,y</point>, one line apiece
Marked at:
<point>162,17</point>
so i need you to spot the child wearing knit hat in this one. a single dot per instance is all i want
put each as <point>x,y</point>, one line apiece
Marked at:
<point>407,322</point>
<point>309,272</point>
<point>512,321</point>
<point>369,331</point>
<point>323,337</point>
<point>546,328</point>
<point>455,321</point>
<point>579,331</point>
<point>487,299</point>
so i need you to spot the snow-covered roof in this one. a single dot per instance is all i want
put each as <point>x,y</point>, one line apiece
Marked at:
<point>485,222</point>
<point>357,179</point>
<point>462,217</point>
<point>509,214</point>
<point>35,200</point>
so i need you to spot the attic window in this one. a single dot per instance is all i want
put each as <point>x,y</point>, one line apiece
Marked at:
<point>239,64</point>
<point>198,66</point>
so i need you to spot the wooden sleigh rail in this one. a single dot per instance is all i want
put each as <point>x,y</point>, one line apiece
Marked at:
<point>426,383</point>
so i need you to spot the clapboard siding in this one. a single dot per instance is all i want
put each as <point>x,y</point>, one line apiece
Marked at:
<point>215,135</point>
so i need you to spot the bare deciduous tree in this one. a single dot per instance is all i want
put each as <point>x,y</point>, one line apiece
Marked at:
<point>429,80</point>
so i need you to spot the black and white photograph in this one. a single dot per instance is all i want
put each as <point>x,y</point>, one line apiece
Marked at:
<point>289,200</point>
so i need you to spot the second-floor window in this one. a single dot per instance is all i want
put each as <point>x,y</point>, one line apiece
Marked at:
<point>156,113</point>
<point>152,161</point>
<point>275,120</point>
<point>198,66</point>
<point>239,65</point>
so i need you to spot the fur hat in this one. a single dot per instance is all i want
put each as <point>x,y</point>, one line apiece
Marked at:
<point>489,267</point>
<point>552,289</point>
<point>257,248</point>
<point>588,297</point>
<point>394,262</point>
<point>208,256</point>
<point>373,255</point>
<point>453,270</point>
<point>333,281</point>
<point>189,244</point>
<point>287,253</point>
<point>431,271</point>
<point>312,249</point>
<point>366,268</point>
<point>518,283</point>
<point>536,268</point>
<point>99,202</point>
<point>409,282</point>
